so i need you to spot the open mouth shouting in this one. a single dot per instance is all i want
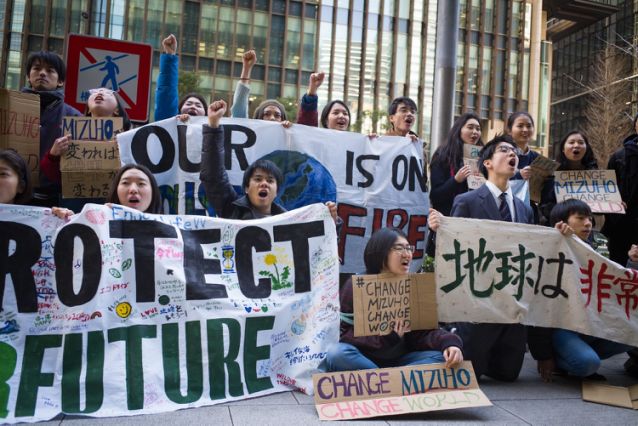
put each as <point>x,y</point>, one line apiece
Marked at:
<point>263,194</point>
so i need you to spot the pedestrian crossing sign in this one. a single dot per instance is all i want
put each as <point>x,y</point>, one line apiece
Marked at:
<point>123,66</point>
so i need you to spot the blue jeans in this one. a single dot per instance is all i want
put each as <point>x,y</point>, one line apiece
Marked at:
<point>344,357</point>
<point>580,355</point>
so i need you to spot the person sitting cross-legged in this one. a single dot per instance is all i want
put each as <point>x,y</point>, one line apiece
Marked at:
<point>388,251</point>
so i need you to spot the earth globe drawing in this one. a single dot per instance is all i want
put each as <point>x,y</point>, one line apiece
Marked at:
<point>306,181</point>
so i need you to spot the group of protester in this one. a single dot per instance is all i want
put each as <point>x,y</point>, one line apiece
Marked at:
<point>495,350</point>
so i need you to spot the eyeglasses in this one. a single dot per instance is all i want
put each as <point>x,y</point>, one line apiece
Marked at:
<point>403,249</point>
<point>505,149</point>
<point>101,90</point>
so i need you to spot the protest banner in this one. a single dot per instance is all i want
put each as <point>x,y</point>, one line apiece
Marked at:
<point>542,167</point>
<point>119,312</point>
<point>503,272</point>
<point>90,163</point>
<point>20,127</point>
<point>361,394</point>
<point>597,188</point>
<point>379,301</point>
<point>376,182</point>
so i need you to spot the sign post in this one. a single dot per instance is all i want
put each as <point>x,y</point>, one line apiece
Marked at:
<point>124,67</point>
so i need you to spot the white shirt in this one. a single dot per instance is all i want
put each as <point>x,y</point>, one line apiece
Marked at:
<point>509,196</point>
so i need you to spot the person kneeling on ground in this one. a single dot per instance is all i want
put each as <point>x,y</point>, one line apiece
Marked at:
<point>496,350</point>
<point>388,251</point>
<point>575,353</point>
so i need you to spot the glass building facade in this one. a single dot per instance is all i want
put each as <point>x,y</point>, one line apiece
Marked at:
<point>572,60</point>
<point>371,50</point>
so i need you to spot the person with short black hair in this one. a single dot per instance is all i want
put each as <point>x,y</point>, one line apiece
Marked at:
<point>261,180</point>
<point>336,115</point>
<point>496,350</point>
<point>575,353</point>
<point>46,74</point>
<point>402,116</point>
<point>388,252</point>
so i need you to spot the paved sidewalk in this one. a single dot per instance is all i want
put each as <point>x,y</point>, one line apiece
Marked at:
<point>527,401</point>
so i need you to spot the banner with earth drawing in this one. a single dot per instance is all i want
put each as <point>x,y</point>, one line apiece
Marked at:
<point>118,312</point>
<point>376,182</point>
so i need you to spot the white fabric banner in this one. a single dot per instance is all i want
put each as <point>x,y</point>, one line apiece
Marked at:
<point>119,312</point>
<point>376,183</point>
<point>499,272</point>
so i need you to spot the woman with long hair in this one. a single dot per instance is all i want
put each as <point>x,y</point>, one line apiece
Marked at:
<point>448,175</point>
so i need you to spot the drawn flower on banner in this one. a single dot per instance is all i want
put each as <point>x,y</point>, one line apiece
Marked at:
<point>278,280</point>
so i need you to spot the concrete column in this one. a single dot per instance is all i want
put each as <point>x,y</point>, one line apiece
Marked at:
<point>447,30</point>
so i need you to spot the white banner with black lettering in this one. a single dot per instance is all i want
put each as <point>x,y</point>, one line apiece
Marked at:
<point>376,182</point>
<point>501,272</point>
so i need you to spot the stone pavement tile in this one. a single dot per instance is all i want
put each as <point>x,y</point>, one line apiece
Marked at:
<point>462,416</point>
<point>274,415</point>
<point>526,388</point>
<point>303,399</point>
<point>281,398</point>
<point>218,415</point>
<point>569,411</point>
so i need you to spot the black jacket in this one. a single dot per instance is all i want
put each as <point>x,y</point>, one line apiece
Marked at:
<point>219,191</point>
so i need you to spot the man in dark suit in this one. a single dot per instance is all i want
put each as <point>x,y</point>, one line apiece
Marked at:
<point>496,350</point>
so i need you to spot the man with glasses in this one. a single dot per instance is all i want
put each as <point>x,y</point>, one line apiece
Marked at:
<point>496,350</point>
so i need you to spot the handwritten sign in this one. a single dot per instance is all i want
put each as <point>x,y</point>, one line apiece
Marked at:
<point>597,188</point>
<point>380,301</point>
<point>92,158</point>
<point>476,179</point>
<point>502,272</point>
<point>136,313</point>
<point>541,167</point>
<point>393,391</point>
<point>471,151</point>
<point>20,127</point>
<point>88,169</point>
<point>92,129</point>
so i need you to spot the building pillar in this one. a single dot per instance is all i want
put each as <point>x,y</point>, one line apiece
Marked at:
<point>447,24</point>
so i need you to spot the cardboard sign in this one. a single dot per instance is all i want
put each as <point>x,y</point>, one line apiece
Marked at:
<point>542,167</point>
<point>92,129</point>
<point>393,391</point>
<point>123,66</point>
<point>20,127</point>
<point>476,179</point>
<point>471,151</point>
<point>597,188</point>
<point>91,161</point>
<point>617,396</point>
<point>380,301</point>
<point>87,183</point>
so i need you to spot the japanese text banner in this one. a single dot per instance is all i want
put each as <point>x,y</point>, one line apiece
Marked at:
<point>498,272</point>
<point>119,312</point>
<point>376,182</point>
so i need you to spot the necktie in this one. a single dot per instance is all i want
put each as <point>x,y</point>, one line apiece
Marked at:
<point>504,209</point>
